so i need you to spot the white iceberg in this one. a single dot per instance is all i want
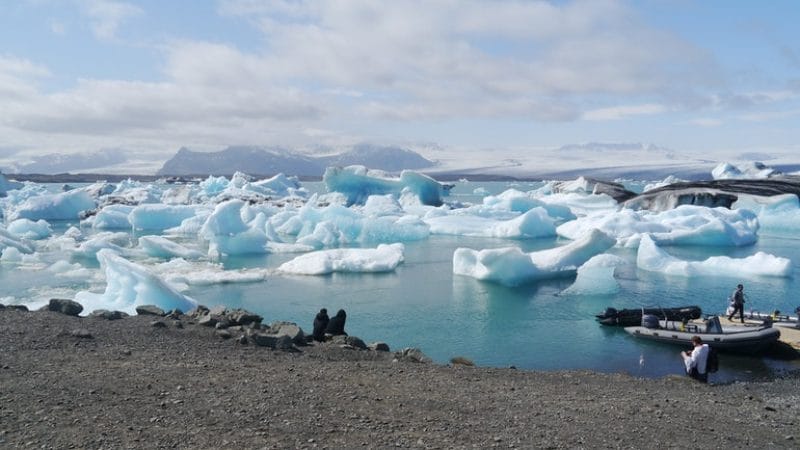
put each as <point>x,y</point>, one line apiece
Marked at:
<point>532,224</point>
<point>654,259</point>
<point>752,170</point>
<point>357,183</point>
<point>28,229</point>
<point>62,206</point>
<point>384,258</point>
<point>161,247</point>
<point>129,285</point>
<point>596,276</point>
<point>511,266</point>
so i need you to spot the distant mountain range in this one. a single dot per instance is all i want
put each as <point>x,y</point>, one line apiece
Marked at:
<point>270,161</point>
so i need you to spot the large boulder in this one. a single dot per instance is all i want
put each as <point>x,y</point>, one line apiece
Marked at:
<point>349,341</point>
<point>65,306</point>
<point>150,310</point>
<point>290,329</point>
<point>108,315</point>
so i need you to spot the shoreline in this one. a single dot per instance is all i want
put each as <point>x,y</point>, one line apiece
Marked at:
<point>129,383</point>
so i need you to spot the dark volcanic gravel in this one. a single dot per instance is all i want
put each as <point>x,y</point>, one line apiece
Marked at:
<point>133,385</point>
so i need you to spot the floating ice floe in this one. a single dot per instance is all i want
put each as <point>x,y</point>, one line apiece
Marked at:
<point>596,276</point>
<point>654,259</point>
<point>532,224</point>
<point>63,206</point>
<point>777,216</point>
<point>357,183</point>
<point>384,258</point>
<point>228,234</point>
<point>28,229</point>
<point>10,240</point>
<point>161,247</point>
<point>684,225</point>
<point>128,285</point>
<point>511,266</point>
<point>179,272</point>
<point>753,170</point>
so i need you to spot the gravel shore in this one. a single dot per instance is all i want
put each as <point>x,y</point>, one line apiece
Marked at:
<point>129,384</point>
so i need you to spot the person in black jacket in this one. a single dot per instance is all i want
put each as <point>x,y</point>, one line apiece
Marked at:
<point>320,325</point>
<point>336,324</point>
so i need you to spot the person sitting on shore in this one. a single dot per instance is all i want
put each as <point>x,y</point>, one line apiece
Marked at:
<point>696,362</point>
<point>320,325</point>
<point>336,324</point>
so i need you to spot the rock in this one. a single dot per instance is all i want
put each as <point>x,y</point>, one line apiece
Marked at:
<point>351,341</point>
<point>2,306</point>
<point>17,307</point>
<point>278,342</point>
<point>175,314</point>
<point>149,310</point>
<point>218,310</point>
<point>224,334</point>
<point>412,355</point>
<point>158,324</point>
<point>177,324</point>
<point>222,324</point>
<point>242,340</point>
<point>378,346</point>
<point>290,329</point>
<point>82,333</point>
<point>207,320</point>
<point>108,315</point>
<point>65,306</point>
<point>199,311</point>
<point>242,317</point>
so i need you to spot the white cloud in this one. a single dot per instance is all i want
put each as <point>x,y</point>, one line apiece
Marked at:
<point>622,112</point>
<point>107,15</point>
<point>706,122</point>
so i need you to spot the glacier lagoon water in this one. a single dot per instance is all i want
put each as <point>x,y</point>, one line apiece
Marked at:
<point>536,326</point>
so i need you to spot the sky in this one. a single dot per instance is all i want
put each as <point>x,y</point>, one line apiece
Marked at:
<point>492,79</point>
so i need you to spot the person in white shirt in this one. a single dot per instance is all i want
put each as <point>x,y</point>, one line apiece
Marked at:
<point>696,360</point>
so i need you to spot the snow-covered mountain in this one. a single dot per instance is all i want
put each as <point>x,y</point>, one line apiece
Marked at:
<point>270,161</point>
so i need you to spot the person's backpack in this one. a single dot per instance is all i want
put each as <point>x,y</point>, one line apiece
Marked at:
<point>712,364</point>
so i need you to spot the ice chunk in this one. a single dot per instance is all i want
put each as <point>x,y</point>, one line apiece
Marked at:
<point>159,216</point>
<point>654,259</point>
<point>179,271</point>
<point>28,229</point>
<point>778,215</point>
<point>534,223</point>
<point>111,217</point>
<point>757,170</point>
<point>596,276</point>
<point>228,234</point>
<point>104,240</point>
<point>358,183</point>
<point>6,185</point>
<point>62,206</point>
<point>129,284</point>
<point>9,240</point>
<point>161,247</point>
<point>684,225</point>
<point>511,266</point>
<point>384,258</point>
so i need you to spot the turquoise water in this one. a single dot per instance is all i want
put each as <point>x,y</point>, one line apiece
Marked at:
<point>423,304</point>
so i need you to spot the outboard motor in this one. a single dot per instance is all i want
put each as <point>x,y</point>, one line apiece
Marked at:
<point>650,321</point>
<point>612,312</point>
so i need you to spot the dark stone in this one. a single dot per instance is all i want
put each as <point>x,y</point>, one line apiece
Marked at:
<point>158,324</point>
<point>264,340</point>
<point>350,341</point>
<point>150,310</point>
<point>18,307</point>
<point>222,324</point>
<point>290,329</point>
<point>242,340</point>
<point>65,306</point>
<point>379,346</point>
<point>2,306</point>
<point>175,314</point>
<point>108,315</point>
<point>242,317</point>
<point>207,320</point>
<point>177,324</point>
<point>224,334</point>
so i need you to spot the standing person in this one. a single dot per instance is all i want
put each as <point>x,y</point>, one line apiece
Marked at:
<point>336,325</point>
<point>696,362</point>
<point>737,300</point>
<point>320,325</point>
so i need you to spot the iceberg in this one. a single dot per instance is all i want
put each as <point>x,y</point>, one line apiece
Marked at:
<point>63,206</point>
<point>511,266</point>
<point>357,183</point>
<point>111,217</point>
<point>596,276</point>
<point>159,216</point>
<point>10,240</point>
<point>28,229</point>
<point>128,285</point>
<point>228,234</point>
<point>684,225</point>
<point>654,259</point>
<point>384,258</point>
<point>161,247</point>
<point>752,170</point>
<point>181,272</point>
<point>532,224</point>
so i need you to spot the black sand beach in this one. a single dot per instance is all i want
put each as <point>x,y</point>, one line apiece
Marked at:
<point>131,384</point>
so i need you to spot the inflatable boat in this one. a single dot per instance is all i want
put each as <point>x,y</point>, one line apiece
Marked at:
<point>737,339</point>
<point>632,317</point>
